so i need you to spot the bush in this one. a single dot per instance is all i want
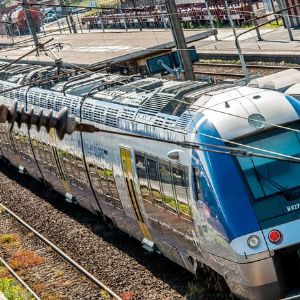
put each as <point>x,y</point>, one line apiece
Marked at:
<point>24,259</point>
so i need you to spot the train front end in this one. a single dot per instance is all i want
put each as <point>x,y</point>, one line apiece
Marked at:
<point>247,179</point>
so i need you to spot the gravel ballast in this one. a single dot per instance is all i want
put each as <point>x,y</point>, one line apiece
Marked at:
<point>113,257</point>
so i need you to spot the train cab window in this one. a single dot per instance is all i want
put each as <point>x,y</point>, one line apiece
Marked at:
<point>166,182</point>
<point>198,190</point>
<point>142,176</point>
<point>180,184</point>
<point>154,181</point>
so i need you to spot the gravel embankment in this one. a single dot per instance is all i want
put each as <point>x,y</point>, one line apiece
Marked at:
<point>113,257</point>
<point>40,267</point>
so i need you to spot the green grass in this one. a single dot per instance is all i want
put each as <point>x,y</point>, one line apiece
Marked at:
<point>13,291</point>
<point>63,153</point>
<point>104,294</point>
<point>274,24</point>
<point>170,201</point>
<point>8,238</point>
<point>105,172</point>
<point>184,208</point>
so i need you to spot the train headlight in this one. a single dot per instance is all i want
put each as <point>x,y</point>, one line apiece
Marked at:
<point>253,241</point>
<point>275,236</point>
<point>257,121</point>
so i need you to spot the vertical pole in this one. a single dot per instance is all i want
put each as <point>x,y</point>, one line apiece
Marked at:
<point>139,22</point>
<point>72,23</point>
<point>30,24</point>
<point>123,20</point>
<point>41,20</point>
<point>18,29</point>
<point>64,14</point>
<point>254,20</point>
<point>180,40</point>
<point>58,24</point>
<point>273,10</point>
<point>242,60</point>
<point>211,19</point>
<point>79,23</point>
<point>12,34</point>
<point>164,22</point>
<point>241,56</point>
<point>286,19</point>
<point>230,18</point>
<point>163,7</point>
<point>68,23</point>
<point>101,23</point>
<point>7,29</point>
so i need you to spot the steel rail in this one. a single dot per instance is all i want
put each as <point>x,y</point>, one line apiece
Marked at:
<point>19,279</point>
<point>239,75</point>
<point>62,254</point>
<point>225,65</point>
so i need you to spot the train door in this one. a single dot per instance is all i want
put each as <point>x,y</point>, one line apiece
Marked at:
<point>128,176</point>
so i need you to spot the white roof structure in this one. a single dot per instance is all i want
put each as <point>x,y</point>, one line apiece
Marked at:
<point>278,81</point>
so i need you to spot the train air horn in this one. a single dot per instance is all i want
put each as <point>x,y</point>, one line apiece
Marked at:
<point>62,122</point>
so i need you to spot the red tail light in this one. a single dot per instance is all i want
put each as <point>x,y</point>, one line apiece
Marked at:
<point>275,236</point>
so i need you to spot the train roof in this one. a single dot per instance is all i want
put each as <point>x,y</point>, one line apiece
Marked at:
<point>117,101</point>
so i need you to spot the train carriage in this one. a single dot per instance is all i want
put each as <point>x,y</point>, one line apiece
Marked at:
<point>200,173</point>
<point>156,16</point>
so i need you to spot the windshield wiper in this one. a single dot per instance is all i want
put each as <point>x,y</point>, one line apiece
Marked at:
<point>287,194</point>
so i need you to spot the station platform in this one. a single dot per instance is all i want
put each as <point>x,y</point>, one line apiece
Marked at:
<point>96,46</point>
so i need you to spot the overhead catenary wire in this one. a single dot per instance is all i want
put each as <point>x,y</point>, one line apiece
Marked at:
<point>87,70</point>
<point>232,152</point>
<point>233,115</point>
<point>280,154</point>
<point>208,108</point>
<point>39,47</point>
<point>183,12</point>
<point>163,13</point>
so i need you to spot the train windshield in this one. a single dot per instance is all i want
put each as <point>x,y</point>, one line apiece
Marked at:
<point>267,177</point>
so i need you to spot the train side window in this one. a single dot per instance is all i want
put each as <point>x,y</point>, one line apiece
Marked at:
<point>198,189</point>
<point>142,176</point>
<point>166,182</point>
<point>104,184</point>
<point>111,182</point>
<point>154,181</point>
<point>180,182</point>
<point>95,178</point>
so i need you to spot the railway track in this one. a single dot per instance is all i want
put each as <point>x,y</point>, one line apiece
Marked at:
<point>45,268</point>
<point>111,256</point>
<point>221,71</point>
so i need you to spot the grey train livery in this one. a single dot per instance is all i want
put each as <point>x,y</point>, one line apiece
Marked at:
<point>204,174</point>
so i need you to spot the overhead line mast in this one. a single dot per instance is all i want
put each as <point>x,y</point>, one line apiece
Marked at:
<point>179,39</point>
<point>31,27</point>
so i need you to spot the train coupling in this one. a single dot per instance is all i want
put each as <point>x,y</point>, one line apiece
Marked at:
<point>62,122</point>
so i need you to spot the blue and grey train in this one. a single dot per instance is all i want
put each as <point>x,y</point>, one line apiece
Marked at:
<point>214,182</point>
